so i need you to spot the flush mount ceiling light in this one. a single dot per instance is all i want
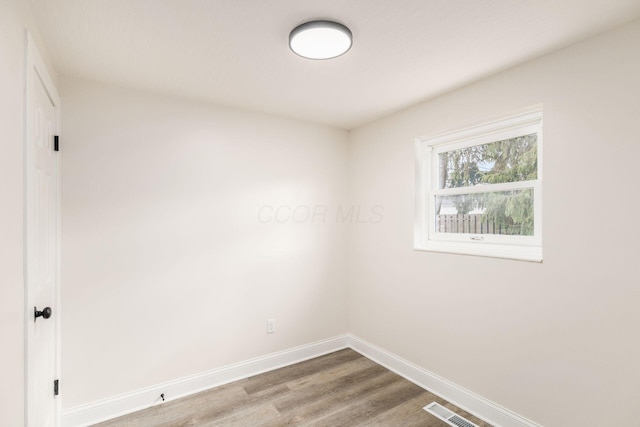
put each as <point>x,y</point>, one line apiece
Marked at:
<point>320,39</point>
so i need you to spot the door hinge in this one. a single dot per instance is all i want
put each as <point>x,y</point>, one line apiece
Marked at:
<point>56,143</point>
<point>56,387</point>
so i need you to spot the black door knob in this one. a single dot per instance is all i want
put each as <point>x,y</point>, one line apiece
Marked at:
<point>45,313</point>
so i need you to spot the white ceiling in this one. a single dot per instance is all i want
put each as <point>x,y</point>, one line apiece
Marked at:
<point>235,52</point>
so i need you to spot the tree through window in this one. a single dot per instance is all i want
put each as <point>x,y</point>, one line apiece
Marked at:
<point>482,186</point>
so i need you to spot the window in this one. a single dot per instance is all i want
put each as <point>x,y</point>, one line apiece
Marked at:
<point>479,190</point>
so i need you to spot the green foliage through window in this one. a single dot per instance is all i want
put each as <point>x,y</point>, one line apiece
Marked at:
<point>507,212</point>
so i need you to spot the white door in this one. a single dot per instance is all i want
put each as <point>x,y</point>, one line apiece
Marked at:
<point>41,244</point>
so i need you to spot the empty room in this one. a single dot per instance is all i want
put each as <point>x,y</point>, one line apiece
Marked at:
<point>339,213</point>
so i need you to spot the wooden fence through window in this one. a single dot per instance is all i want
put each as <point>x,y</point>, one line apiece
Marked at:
<point>472,224</point>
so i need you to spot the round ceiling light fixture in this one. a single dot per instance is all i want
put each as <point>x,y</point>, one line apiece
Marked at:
<point>320,40</point>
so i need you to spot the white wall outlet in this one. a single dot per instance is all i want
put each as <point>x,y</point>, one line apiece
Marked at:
<point>271,326</point>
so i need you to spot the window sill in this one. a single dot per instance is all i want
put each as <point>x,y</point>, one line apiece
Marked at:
<point>520,253</point>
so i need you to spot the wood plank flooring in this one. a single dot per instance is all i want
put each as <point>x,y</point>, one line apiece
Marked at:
<point>339,389</point>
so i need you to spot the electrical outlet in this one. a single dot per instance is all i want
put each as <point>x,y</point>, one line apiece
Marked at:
<point>271,326</point>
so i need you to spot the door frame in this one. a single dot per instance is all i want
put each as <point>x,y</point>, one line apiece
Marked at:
<point>35,65</point>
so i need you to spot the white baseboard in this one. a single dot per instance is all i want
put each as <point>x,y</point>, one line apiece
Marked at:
<point>123,404</point>
<point>477,405</point>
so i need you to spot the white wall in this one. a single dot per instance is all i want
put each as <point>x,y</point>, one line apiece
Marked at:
<point>168,269</point>
<point>15,17</point>
<point>555,342</point>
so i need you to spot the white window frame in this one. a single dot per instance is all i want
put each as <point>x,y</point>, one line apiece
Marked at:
<point>527,248</point>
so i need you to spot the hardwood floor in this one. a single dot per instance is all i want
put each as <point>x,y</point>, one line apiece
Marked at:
<point>339,389</point>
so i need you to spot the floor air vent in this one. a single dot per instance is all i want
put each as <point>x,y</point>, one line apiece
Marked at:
<point>448,416</point>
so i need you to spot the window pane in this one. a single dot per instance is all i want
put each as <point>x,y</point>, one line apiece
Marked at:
<point>500,212</point>
<point>509,160</point>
